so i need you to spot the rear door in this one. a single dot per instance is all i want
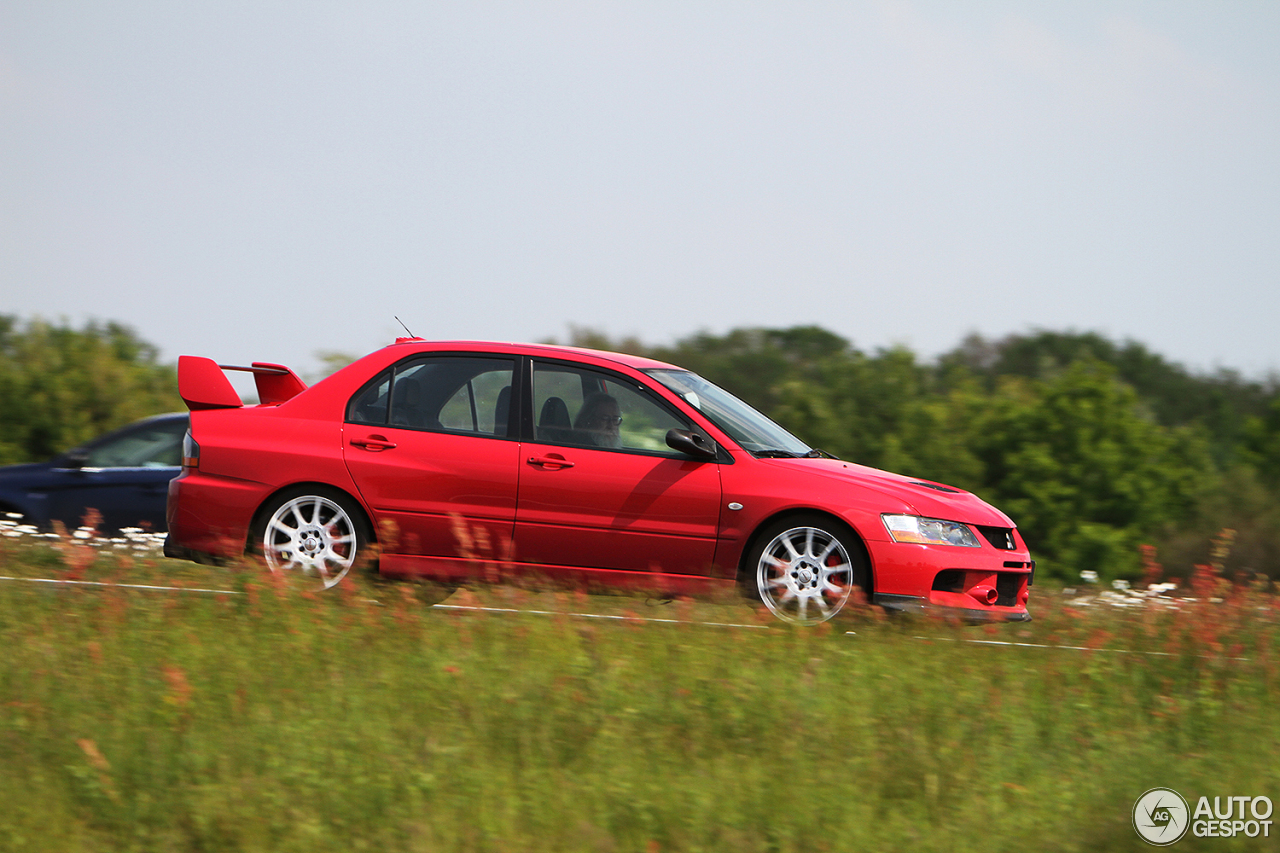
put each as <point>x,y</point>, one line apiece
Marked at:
<point>599,488</point>
<point>427,445</point>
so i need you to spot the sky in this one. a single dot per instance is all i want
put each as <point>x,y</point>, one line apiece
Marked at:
<point>267,180</point>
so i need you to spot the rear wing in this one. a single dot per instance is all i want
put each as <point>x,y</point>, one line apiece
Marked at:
<point>203,385</point>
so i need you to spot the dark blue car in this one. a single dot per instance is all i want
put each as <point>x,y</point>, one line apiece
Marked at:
<point>124,475</point>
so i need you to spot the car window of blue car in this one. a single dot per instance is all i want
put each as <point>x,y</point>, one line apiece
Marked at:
<point>151,446</point>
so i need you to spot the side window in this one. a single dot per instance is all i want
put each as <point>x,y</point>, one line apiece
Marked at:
<point>466,394</point>
<point>151,446</point>
<point>478,405</point>
<point>594,409</point>
<point>370,405</point>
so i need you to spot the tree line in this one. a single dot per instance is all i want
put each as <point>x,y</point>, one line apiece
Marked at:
<point>61,386</point>
<point>1095,448</point>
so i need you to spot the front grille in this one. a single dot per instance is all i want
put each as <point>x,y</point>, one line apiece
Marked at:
<point>1007,584</point>
<point>999,537</point>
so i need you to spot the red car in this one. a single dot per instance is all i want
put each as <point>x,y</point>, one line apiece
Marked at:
<point>463,458</point>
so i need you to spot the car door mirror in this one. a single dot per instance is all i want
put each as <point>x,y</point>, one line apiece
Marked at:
<point>692,443</point>
<point>76,459</point>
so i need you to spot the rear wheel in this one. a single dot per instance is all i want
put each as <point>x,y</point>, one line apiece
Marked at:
<point>804,569</point>
<point>313,531</point>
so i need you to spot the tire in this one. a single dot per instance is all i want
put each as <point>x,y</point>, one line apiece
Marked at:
<point>804,568</point>
<point>313,530</point>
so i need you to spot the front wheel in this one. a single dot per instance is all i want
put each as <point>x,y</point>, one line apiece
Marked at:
<point>805,569</point>
<point>317,533</point>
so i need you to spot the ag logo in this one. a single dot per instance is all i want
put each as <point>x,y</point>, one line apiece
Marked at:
<point>1161,816</point>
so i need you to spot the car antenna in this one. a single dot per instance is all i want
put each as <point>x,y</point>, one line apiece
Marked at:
<point>401,322</point>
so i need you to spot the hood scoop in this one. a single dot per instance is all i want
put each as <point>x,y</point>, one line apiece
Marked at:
<point>937,487</point>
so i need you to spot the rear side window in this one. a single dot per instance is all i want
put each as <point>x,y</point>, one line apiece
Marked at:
<point>460,394</point>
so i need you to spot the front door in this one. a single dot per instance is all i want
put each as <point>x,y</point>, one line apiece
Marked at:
<point>599,488</point>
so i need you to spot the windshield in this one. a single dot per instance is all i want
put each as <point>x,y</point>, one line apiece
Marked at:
<point>752,430</point>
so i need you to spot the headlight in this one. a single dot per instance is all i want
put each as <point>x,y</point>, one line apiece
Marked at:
<point>929,531</point>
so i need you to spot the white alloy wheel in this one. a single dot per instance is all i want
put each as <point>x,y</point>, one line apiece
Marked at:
<point>312,534</point>
<point>805,575</point>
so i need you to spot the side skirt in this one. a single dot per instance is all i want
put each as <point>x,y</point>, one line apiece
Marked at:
<point>457,570</point>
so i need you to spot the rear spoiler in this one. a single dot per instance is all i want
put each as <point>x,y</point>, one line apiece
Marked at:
<point>203,385</point>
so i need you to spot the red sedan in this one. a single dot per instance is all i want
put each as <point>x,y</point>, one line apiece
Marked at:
<point>458,459</point>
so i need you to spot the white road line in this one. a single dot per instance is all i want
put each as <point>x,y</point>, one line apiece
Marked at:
<point>125,585</point>
<point>619,618</point>
<point>475,608</point>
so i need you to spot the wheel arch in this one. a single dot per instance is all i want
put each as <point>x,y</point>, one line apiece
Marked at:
<point>268,503</point>
<point>806,512</point>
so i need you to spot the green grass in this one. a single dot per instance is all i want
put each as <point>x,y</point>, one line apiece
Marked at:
<point>360,719</point>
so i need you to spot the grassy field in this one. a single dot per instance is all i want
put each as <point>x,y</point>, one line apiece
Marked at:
<point>279,719</point>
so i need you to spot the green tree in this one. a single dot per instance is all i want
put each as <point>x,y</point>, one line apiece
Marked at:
<point>331,361</point>
<point>1262,443</point>
<point>755,364</point>
<point>1082,472</point>
<point>61,386</point>
<point>1221,402</point>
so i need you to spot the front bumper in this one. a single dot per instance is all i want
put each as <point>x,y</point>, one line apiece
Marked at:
<point>983,584</point>
<point>923,606</point>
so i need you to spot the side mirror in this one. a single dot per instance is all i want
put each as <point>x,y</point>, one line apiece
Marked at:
<point>692,443</point>
<point>76,459</point>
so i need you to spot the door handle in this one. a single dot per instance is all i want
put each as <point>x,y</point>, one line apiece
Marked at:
<point>555,461</point>
<point>374,443</point>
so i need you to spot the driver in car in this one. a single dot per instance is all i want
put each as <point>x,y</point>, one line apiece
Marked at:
<point>599,420</point>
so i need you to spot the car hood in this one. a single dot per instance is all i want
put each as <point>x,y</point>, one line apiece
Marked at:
<point>929,499</point>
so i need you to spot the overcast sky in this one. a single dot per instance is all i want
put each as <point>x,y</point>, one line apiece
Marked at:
<point>264,180</point>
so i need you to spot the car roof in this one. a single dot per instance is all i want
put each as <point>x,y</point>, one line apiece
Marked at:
<point>636,362</point>
<point>164,417</point>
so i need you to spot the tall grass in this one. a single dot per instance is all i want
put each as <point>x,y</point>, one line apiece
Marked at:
<point>279,719</point>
